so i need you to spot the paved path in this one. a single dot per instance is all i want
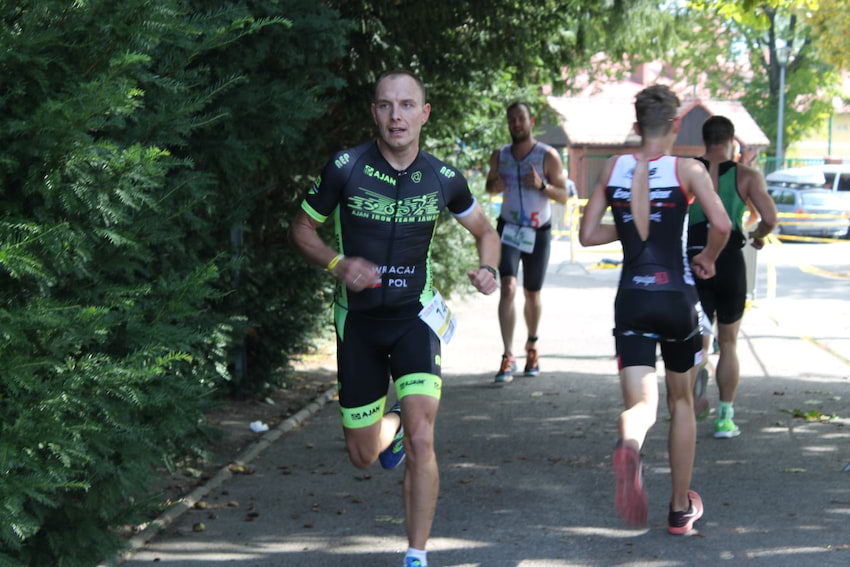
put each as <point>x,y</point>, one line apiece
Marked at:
<point>526,475</point>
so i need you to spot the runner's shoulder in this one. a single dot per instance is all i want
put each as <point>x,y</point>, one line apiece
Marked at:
<point>691,166</point>
<point>344,160</point>
<point>445,172</point>
<point>748,172</point>
<point>547,149</point>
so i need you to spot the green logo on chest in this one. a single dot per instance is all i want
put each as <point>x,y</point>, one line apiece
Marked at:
<point>374,206</point>
<point>372,172</point>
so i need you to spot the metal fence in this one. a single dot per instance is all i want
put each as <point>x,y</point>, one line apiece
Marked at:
<point>771,164</point>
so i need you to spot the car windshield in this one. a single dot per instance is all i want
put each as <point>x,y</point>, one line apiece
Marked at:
<point>821,200</point>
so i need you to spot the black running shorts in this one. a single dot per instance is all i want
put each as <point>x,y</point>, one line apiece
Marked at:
<point>725,295</point>
<point>533,264</point>
<point>370,351</point>
<point>644,319</point>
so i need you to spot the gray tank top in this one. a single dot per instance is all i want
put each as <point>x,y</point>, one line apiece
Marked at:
<point>525,206</point>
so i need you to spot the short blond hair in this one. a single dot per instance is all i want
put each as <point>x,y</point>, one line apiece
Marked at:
<point>401,72</point>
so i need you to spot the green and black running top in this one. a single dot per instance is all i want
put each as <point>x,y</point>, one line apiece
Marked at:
<point>727,189</point>
<point>387,217</point>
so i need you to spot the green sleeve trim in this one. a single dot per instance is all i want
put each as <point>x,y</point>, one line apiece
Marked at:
<point>419,383</point>
<point>340,315</point>
<point>314,214</point>
<point>363,416</point>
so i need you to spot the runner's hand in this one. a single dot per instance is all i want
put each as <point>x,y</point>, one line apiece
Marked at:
<point>483,280</point>
<point>702,267</point>
<point>357,273</point>
<point>757,241</point>
<point>533,179</point>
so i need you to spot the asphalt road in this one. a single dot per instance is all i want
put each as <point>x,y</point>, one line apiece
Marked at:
<point>526,468</point>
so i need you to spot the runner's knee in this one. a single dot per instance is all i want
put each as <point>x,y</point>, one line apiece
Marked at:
<point>679,392</point>
<point>420,443</point>
<point>532,296</point>
<point>360,456</point>
<point>508,287</point>
<point>362,446</point>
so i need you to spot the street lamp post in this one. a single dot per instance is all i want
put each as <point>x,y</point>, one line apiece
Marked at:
<point>782,54</point>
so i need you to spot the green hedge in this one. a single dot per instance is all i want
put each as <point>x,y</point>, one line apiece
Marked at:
<point>133,142</point>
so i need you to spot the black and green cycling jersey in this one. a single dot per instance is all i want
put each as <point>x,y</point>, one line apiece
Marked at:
<point>387,217</point>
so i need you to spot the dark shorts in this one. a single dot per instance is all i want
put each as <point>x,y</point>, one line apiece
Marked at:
<point>725,295</point>
<point>644,319</point>
<point>533,264</point>
<point>370,351</point>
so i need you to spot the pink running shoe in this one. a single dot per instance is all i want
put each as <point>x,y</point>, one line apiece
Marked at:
<point>680,523</point>
<point>630,499</point>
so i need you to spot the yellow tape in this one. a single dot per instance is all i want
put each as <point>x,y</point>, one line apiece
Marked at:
<point>825,273</point>
<point>807,238</point>
<point>806,338</point>
<point>825,348</point>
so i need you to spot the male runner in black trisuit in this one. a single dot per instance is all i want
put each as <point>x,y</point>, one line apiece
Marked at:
<point>725,295</point>
<point>656,303</point>
<point>385,197</point>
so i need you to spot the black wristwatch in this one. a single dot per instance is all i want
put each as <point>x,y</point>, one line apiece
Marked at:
<point>490,269</point>
<point>542,186</point>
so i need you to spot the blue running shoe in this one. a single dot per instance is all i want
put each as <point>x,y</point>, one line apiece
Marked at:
<point>506,370</point>
<point>392,456</point>
<point>413,562</point>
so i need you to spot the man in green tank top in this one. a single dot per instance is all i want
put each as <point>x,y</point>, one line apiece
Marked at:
<point>724,296</point>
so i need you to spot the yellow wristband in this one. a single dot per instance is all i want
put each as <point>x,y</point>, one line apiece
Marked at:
<point>332,264</point>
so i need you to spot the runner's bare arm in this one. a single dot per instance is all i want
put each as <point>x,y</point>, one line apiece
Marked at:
<point>494,184</point>
<point>755,191</point>
<point>592,232</point>
<point>489,249</point>
<point>356,273</point>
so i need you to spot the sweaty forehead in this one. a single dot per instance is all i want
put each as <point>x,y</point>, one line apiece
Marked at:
<point>398,87</point>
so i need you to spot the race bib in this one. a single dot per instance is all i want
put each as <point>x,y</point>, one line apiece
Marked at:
<point>439,317</point>
<point>520,237</point>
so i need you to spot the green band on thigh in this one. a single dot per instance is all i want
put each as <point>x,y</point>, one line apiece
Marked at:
<point>364,416</point>
<point>419,383</point>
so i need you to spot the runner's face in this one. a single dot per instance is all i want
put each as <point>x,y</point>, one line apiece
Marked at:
<point>399,112</point>
<point>520,124</point>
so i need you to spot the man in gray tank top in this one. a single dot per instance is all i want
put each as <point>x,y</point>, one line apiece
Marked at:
<point>529,175</point>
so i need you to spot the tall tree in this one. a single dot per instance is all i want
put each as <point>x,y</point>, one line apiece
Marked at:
<point>830,24</point>
<point>734,47</point>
